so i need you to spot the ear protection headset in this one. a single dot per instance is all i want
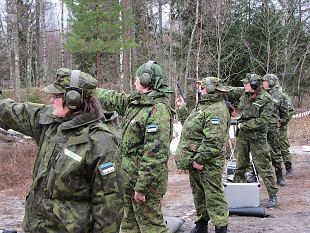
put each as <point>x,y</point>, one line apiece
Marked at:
<point>210,86</point>
<point>253,81</point>
<point>74,94</point>
<point>272,80</point>
<point>148,74</point>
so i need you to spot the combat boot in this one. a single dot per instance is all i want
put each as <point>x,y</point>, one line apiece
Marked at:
<point>288,167</point>
<point>272,202</point>
<point>221,229</point>
<point>280,180</point>
<point>201,227</point>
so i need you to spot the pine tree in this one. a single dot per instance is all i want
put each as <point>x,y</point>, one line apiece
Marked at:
<point>96,30</point>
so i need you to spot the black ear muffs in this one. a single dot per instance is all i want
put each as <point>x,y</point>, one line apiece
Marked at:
<point>147,75</point>
<point>74,94</point>
<point>210,87</point>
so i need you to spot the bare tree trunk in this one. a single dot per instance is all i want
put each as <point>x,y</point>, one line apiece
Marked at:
<point>10,59</point>
<point>29,45</point>
<point>37,42</point>
<point>219,38</point>
<point>62,58</point>
<point>198,51</point>
<point>161,36</point>
<point>121,54</point>
<point>191,42</point>
<point>44,38</point>
<point>301,75</point>
<point>15,47</point>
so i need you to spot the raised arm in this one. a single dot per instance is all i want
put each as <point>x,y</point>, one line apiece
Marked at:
<point>112,100</point>
<point>22,117</point>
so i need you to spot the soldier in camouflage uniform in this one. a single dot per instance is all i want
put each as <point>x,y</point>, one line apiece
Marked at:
<point>256,107</point>
<point>77,182</point>
<point>285,117</point>
<point>201,151</point>
<point>273,135</point>
<point>147,133</point>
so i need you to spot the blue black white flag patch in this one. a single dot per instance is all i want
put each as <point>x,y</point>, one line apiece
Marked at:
<point>151,128</point>
<point>215,121</point>
<point>106,168</point>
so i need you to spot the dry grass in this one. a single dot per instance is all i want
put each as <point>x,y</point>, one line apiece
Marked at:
<point>16,163</point>
<point>298,131</point>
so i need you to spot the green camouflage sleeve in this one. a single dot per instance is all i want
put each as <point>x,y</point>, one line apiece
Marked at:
<point>182,114</point>
<point>112,100</point>
<point>215,134</point>
<point>107,192</point>
<point>286,109</point>
<point>22,117</point>
<point>157,140</point>
<point>260,122</point>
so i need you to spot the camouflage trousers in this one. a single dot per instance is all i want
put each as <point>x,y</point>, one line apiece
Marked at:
<point>256,143</point>
<point>273,139</point>
<point>284,145</point>
<point>143,217</point>
<point>208,194</point>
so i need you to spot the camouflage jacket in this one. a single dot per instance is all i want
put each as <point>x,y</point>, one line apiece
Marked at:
<point>255,115</point>
<point>147,132</point>
<point>277,98</point>
<point>286,109</point>
<point>204,133</point>
<point>72,189</point>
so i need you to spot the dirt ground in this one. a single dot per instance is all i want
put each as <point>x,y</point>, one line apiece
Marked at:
<point>292,214</point>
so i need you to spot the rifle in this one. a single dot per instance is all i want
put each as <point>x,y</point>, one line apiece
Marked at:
<point>180,90</point>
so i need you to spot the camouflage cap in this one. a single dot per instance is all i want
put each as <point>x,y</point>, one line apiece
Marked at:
<point>86,82</point>
<point>250,77</point>
<point>216,82</point>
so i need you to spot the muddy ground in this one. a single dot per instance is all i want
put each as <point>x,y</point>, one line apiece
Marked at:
<point>292,214</point>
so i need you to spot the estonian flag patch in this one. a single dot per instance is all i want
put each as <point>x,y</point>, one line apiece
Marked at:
<point>151,128</point>
<point>215,121</point>
<point>106,168</point>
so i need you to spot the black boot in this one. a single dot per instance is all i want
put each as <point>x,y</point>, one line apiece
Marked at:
<point>280,180</point>
<point>201,227</point>
<point>221,229</point>
<point>7,231</point>
<point>288,167</point>
<point>272,202</point>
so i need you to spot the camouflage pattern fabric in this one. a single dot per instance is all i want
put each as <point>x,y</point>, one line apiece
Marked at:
<point>273,134</point>
<point>147,215</point>
<point>86,82</point>
<point>202,140</point>
<point>255,117</point>
<point>70,191</point>
<point>147,132</point>
<point>273,139</point>
<point>284,144</point>
<point>285,117</point>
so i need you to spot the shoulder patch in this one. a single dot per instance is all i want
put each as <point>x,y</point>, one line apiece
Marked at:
<point>106,168</point>
<point>215,121</point>
<point>151,128</point>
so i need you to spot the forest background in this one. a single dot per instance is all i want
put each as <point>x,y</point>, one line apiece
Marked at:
<point>189,38</point>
